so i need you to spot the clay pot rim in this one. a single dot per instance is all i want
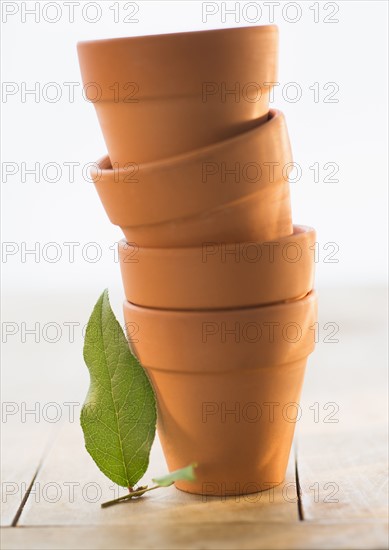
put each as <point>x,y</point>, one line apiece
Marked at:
<point>105,166</point>
<point>150,37</point>
<point>181,279</point>
<point>299,232</point>
<point>309,298</point>
<point>164,323</point>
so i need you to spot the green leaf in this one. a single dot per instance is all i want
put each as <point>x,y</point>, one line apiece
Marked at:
<point>119,415</point>
<point>184,474</point>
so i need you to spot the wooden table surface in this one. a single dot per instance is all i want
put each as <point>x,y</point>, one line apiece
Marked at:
<point>334,494</point>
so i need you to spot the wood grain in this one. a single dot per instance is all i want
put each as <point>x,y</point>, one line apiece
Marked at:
<point>68,464</point>
<point>23,449</point>
<point>342,437</point>
<point>344,477</point>
<point>204,536</point>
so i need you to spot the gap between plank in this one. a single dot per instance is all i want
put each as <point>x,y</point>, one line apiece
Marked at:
<point>46,450</point>
<point>300,508</point>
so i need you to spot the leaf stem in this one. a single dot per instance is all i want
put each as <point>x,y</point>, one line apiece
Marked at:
<point>136,493</point>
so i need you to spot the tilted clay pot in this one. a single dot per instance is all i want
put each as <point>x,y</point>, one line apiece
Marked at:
<point>217,275</point>
<point>265,215</point>
<point>158,96</point>
<point>197,181</point>
<point>227,385</point>
<point>235,190</point>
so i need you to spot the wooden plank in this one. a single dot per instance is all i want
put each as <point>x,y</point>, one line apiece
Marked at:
<point>69,465</point>
<point>23,448</point>
<point>342,439</point>
<point>37,381</point>
<point>344,477</point>
<point>207,536</point>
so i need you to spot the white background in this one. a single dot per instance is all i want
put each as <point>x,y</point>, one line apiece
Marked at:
<point>351,133</point>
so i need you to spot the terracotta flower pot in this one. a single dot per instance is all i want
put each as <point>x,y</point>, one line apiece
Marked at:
<point>218,376</point>
<point>264,216</point>
<point>219,275</point>
<point>196,181</point>
<point>157,96</point>
<point>232,191</point>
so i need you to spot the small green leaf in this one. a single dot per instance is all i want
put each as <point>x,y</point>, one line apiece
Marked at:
<point>119,415</point>
<point>184,474</point>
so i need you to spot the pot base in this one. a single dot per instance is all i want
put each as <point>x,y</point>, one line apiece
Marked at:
<point>211,489</point>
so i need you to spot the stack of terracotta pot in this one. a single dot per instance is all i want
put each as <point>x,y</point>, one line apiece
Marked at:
<point>218,282</point>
